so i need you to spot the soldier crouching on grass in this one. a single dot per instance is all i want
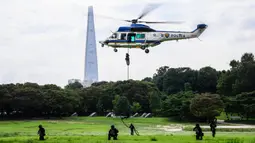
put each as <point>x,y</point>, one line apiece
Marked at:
<point>199,133</point>
<point>41,132</point>
<point>113,132</point>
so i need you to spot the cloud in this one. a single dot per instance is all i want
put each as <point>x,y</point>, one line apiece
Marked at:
<point>44,41</point>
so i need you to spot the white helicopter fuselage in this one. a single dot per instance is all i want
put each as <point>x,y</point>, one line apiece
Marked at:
<point>133,39</point>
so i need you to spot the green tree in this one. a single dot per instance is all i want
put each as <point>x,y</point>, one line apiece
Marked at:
<point>5,100</point>
<point>136,107</point>
<point>135,91</point>
<point>239,78</point>
<point>232,106</point>
<point>122,106</point>
<point>115,101</point>
<point>90,97</point>
<point>148,79</point>
<point>155,102</point>
<point>105,103</point>
<point>27,99</point>
<point>159,76</point>
<point>75,85</point>
<point>206,106</point>
<point>169,93</point>
<point>207,80</point>
<point>175,78</point>
<point>187,87</point>
<point>245,74</point>
<point>225,83</point>
<point>247,105</point>
<point>177,105</point>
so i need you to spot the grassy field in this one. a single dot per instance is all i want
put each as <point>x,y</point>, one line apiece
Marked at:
<point>95,129</point>
<point>223,116</point>
<point>134,139</point>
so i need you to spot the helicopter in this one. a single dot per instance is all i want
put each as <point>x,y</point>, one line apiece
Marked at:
<point>142,36</point>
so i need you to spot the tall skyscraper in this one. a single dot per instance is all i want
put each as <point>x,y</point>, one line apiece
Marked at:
<point>91,67</point>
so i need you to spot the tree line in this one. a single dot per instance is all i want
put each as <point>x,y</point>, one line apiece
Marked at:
<point>182,93</point>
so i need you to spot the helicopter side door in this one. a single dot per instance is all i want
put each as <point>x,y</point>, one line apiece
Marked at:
<point>131,37</point>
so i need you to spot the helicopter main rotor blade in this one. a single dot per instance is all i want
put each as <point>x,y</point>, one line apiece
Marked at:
<point>161,22</point>
<point>108,17</point>
<point>128,20</point>
<point>148,9</point>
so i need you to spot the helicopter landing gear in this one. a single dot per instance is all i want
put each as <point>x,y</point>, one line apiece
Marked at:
<point>115,50</point>
<point>147,51</point>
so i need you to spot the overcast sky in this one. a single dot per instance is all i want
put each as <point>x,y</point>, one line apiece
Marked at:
<point>43,41</point>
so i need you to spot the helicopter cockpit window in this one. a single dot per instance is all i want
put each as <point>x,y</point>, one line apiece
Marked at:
<point>114,36</point>
<point>140,36</point>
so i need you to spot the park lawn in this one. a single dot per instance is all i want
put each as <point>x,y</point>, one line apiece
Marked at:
<point>95,129</point>
<point>221,138</point>
<point>80,126</point>
<point>77,126</point>
<point>223,116</point>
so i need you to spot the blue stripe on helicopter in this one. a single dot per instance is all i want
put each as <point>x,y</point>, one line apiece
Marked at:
<point>177,31</point>
<point>146,28</point>
<point>199,26</point>
<point>136,41</point>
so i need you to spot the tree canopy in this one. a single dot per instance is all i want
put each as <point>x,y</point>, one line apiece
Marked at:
<point>181,92</point>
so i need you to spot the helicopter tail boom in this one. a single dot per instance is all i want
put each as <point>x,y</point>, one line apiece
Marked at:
<point>200,29</point>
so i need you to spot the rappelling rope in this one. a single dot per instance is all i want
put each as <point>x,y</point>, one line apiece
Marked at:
<point>136,132</point>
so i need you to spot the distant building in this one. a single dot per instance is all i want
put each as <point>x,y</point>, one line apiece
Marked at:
<point>74,80</point>
<point>91,66</point>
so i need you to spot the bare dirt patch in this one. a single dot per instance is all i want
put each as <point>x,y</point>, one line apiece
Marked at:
<point>170,128</point>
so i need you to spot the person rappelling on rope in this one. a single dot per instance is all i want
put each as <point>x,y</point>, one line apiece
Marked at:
<point>132,128</point>
<point>127,59</point>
